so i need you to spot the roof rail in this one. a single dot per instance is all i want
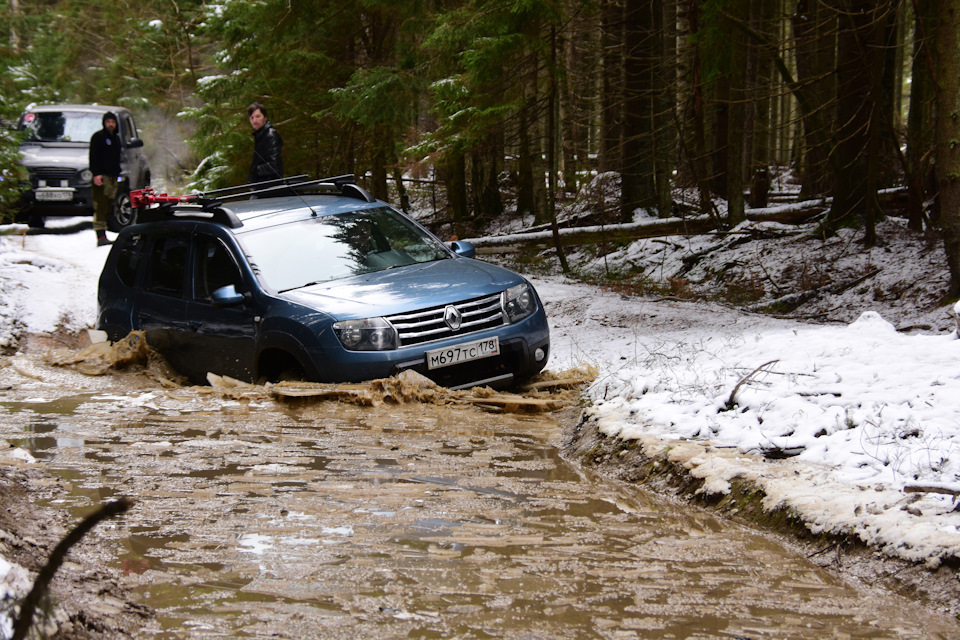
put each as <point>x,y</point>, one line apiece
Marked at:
<point>209,204</point>
<point>291,185</point>
<point>295,185</point>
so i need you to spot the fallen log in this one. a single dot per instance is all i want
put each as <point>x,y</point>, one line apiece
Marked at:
<point>653,228</point>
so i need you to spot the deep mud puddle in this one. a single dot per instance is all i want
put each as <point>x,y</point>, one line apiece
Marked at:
<point>302,517</point>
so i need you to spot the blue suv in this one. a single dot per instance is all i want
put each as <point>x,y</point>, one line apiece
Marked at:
<point>315,280</point>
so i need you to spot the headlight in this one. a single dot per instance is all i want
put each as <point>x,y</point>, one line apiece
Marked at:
<point>86,175</point>
<point>518,302</point>
<point>369,334</point>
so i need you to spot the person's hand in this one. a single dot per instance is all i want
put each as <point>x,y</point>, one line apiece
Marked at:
<point>98,180</point>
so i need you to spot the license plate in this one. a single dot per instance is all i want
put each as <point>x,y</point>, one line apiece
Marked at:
<point>463,353</point>
<point>65,195</point>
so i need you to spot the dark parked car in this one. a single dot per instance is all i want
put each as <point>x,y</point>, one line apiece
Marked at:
<point>56,150</point>
<point>319,282</point>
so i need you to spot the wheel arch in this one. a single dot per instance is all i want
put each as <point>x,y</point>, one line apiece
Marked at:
<point>279,354</point>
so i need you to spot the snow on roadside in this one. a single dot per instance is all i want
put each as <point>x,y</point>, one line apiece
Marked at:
<point>854,412</point>
<point>47,281</point>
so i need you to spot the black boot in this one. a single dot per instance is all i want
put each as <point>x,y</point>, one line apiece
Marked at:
<point>102,239</point>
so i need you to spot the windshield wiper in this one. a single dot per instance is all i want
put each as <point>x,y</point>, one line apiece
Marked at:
<point>302,286</point>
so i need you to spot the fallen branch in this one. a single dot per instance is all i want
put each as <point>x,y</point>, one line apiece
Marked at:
<point>39,590</point>
<point>932,488</point>
<point>732,400</point>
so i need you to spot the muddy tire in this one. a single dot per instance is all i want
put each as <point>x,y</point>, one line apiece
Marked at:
<point>36,221</point>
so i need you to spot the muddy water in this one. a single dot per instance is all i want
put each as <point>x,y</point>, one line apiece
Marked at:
<point>258,518</point>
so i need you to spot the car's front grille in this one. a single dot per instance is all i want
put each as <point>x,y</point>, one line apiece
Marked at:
<point>53,175</point>
<point>430,324</point>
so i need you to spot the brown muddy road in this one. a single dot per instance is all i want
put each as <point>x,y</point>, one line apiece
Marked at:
<point>258,517</point>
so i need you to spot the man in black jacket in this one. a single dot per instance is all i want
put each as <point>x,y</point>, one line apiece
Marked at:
<point>267,161</point>
<point>105,167</point>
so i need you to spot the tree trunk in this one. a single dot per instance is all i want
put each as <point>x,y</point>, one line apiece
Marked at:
<point>665,136</point>
<point>814,28</point>
<point>552,108</point>
<point>611,43</point>
<point>455,176</point>
<point>696,154</point>
<point>737,96</point>
<point>761,85</point>
<point>921,120</point>
<point>859,69</point>
<point>526,201</point>
<point>637,186</point>
<point>486,189</point>
<point>948,133</point>
<point>378,163</point>
<point>401,189</point>
<point>579,87</point>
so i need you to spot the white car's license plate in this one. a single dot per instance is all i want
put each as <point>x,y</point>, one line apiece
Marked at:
<point>57,195</point>
<point>463,353</point>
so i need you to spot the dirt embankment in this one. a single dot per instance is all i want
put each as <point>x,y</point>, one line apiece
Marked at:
<point>630,461</point>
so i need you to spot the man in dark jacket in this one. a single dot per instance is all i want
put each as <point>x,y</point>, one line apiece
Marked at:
<point>105,167</point>
<point>267,161</point>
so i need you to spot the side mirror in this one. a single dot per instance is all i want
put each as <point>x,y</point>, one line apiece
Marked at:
<point>463,248</point>
<point>134,143</point>
<point>227,296</point>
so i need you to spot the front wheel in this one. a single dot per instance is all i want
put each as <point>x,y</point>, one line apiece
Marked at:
<point>36,221</point>
<point>122,215</point>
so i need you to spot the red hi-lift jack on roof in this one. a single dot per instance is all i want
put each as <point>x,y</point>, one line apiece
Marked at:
<point>140,198</point>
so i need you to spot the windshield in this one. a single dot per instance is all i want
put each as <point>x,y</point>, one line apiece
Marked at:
<point>61,126</point>
<point>327,248</point>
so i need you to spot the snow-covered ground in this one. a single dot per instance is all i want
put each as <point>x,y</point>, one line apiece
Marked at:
<point>834,421</point>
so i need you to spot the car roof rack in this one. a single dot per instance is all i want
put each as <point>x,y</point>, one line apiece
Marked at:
<point>345,184</point>
<point>209,204</point>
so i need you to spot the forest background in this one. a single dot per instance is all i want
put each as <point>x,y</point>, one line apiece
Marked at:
<point>494,106</point>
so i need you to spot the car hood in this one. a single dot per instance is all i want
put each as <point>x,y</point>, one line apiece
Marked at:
<point>405,289</point>
<point>55,154</point>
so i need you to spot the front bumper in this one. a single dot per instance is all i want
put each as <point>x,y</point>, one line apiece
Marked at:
<point>519,345</point>
<point>76,200</point>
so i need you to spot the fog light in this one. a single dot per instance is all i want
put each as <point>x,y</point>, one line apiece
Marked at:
<point>539,354</point>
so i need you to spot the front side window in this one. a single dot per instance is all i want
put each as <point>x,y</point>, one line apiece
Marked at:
<point>128,131</point>
<point>215,268</point>
<point>168,264</point>
<point>331,247</point>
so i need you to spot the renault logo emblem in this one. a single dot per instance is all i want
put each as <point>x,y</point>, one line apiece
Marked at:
<point>453,317</point>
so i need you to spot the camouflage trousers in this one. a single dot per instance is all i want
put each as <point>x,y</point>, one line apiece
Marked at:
<point>103,197</point>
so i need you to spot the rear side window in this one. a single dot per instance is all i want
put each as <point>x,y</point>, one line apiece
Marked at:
<point>168,264</point>
<point>128,259</point>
